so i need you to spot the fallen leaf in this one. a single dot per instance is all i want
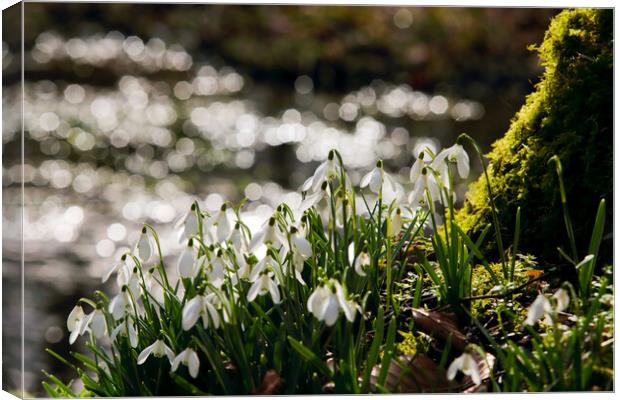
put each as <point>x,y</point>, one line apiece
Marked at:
<point>533,273</point>
<point>439,324</point>
<point>271,383</point>
<point>414,374</point>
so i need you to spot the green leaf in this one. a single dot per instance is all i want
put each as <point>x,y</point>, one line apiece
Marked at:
<point>88,363</point>
<point>475,249</point>
<point>309,356</point>
<point>65,390</point>
<point>50,390</point>
<point>597,231</point>
<point>186,385</point>
<point>388,352</point>
<point>60,358</point>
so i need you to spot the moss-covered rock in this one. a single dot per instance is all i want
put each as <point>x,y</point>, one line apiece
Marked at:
<point>569,114</point>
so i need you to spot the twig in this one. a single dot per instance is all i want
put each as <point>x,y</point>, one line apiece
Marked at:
<point>510,292</point>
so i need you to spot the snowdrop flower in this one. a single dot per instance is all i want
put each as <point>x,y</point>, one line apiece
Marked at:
<point>186,266</point>
<point>326,171</point>
<point>362,260</point>
<point>222,221</point>
<point>467,365</point>
<point>396,223</point>
<point>97,324</point>
<point>299,249</point>
<point>457,153</point>
<point>243,268</point>
<point>315,198</point>
<point>114,268</point>
<point>416,168</point>
<point>189,358</point>
<point>300,243</point>
<point>133,283</point>
<point>562,300</point>
<point>144,247</point>
<point>373,179</point>
<point>539,309</point>
<point>76,323</point>
<point>216,270</point>
<point>379,181</point>
<point>187,224</point>
<point>157,349</point>
<point>239,240</point>
<point>262,285</point>
<point>326,302</point>
<point>542,308</point>
<point>120,304</point>
<point>124,271</point>
<point>426,181</point>
<point>200,307</point>
<point>269,234</point>
<point>267,263</point>
<point>128,329</point>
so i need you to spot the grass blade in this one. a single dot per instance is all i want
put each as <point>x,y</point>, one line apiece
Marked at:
<point>373,353</point>
<point>309,356</point>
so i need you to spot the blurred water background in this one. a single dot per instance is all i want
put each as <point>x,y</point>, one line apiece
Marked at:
<point>133,111</point>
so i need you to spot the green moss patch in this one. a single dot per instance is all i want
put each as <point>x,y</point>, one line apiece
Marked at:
<point>569,114</point>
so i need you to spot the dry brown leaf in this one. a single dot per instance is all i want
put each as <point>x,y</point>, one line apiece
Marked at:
<point>271,383</point>
<point>414,374</point>
<point>441,325</point>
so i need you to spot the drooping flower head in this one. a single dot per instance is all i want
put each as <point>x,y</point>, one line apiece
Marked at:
<point>157,349</point>
<point>326,171</point>
<point>189,358</point>
<point>144,246</point>
<point>467,365</point>
<point>326,302</point>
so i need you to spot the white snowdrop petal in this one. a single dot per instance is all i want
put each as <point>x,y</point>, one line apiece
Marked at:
<point>344,305</point>
<point>562,298</point>
<point>462,165</point>
<point>331,311</point>
<point>145,250</point>
<point>169,353</point>
<point>193,363</point>
<point>303,245</point>
<point>366,179</point>
<point>108,272</point>
<point>254,289</point>
<point>177,361</point>
<point>186,263</point>
<point>76,314</point>
<point>98,324</point>
<point>273,290</point>
<point>454,367</point>
<point>191,312</point>
<point>213,314</point>
<point>144,354</point>
<point>376,181</point>
<point>133,336</point>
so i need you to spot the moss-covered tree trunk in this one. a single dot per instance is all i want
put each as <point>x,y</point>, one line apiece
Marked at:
<point>569,114</point>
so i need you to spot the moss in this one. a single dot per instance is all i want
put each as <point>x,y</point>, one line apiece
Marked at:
<point>526,268</point>
<point>568,114</point>
<point>412,344</point>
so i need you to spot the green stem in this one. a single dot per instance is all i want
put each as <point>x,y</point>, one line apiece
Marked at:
<point>498,235</point>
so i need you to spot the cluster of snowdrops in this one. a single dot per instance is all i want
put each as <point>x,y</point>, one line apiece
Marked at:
<point>306,296</point>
